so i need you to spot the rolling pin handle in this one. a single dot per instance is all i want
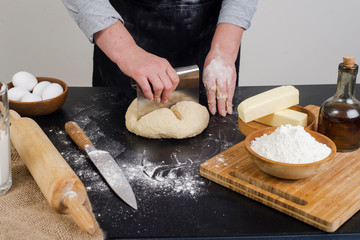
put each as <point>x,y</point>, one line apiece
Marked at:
<point>79,213</point>
<point>13,116</point>
<point>77,135</point>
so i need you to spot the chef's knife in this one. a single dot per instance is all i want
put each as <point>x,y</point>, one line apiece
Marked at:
<point>103,161</point>
<point>187,90</point>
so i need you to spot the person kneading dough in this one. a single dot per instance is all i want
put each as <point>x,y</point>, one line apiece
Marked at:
<point>184,119</point>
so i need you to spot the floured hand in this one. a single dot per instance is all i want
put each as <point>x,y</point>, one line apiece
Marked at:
<point>219,75</point>
<point>219,79</point>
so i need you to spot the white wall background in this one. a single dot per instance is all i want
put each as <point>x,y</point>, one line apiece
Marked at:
<point>40,37</point>
<point>299,41</point>
<point>289,42</point>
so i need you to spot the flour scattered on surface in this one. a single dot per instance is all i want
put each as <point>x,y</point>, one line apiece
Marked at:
<point>149,180</point>
<point>220,159</point>
<point>177,178</point>
<point>160,173</point>
<point>167,183</point>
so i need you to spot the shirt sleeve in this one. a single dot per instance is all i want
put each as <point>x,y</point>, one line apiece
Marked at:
<point>237,12</point>
<point>92,16</point>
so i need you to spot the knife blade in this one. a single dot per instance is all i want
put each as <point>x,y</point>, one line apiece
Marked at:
<point>105,163</point>
<point>187,90</point>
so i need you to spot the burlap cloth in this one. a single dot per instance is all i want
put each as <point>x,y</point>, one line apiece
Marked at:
<point>25,213</point>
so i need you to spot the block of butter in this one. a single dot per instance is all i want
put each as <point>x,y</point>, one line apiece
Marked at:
<point>283,117</point>
<point>268,102</point>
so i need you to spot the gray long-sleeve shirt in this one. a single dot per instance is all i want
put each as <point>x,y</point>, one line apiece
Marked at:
<point>96,15</point>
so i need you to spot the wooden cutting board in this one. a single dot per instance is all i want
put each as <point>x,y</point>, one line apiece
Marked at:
<point>324,201</point>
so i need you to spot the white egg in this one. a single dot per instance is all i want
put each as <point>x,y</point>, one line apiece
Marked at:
<point>51,91</point>
<point>24,80</point>
<point>31,98</point>
<point>38,89</point>
<point>17,93</point>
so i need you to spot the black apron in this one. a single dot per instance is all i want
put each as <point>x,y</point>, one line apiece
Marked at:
<point>177,30</point>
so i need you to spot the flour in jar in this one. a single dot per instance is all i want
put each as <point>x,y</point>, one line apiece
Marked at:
<point>290,144</point>
<point>4,157</point>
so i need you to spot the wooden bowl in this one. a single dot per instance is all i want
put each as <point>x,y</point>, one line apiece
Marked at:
<point>288,170</point>
<point>40,108</point>
<point>247,128</point>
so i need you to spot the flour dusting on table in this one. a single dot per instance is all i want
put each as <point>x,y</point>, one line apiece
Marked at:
<point>159,171</point>
<point>147,178</point>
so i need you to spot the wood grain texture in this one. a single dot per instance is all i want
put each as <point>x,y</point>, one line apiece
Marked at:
<point>77,135</point>
<point>247,128</point>
<point>79,213</point>
<point>50,171</point>
<point>324,201</point>
<point>13,116</point>
<point>40,108</point>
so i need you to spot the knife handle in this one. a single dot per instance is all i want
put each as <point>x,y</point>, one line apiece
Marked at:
<point>77,135</point>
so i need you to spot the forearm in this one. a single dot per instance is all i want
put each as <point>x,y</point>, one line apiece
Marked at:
<point>226,40</point>
<point>114,41</point>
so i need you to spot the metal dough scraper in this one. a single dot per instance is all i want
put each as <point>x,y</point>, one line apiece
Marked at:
<point>187,90</point>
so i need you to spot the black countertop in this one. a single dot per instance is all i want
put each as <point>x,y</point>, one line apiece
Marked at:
<point>174,200</point>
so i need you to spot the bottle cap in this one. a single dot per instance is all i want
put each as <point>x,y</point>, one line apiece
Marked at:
<point>349,61</point>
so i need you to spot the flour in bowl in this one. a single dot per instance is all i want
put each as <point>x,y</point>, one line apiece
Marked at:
<point>290,144</point>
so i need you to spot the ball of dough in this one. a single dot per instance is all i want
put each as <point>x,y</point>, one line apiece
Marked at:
<point>184,119</point>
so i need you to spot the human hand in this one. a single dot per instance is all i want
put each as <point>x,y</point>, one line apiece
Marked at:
<point>219,75</point>
<point>219,79</point>
<point>155,76</point>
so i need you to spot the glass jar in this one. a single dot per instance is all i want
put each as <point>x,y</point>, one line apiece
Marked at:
<point>339,116</point>
<point>5,155</point>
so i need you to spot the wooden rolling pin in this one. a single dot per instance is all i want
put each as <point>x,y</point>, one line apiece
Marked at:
<point>57,181</point>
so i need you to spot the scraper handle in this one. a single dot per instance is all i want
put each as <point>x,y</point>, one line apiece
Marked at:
<point>77,135</point>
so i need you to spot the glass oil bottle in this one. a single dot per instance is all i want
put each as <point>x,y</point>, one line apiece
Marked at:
<point>339,116</point>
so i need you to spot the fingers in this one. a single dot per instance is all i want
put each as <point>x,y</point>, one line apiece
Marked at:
<point>221,96</point>
<point>224,93</point>
<point>146,88</point>
<point>157,86</point>
<point>167,87</point>
<point>217,92</point>
<point>173,77</point>
<point>230,92</point>
<point>211,98</point>
<point>164,84</point>
<point>210,86</point>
